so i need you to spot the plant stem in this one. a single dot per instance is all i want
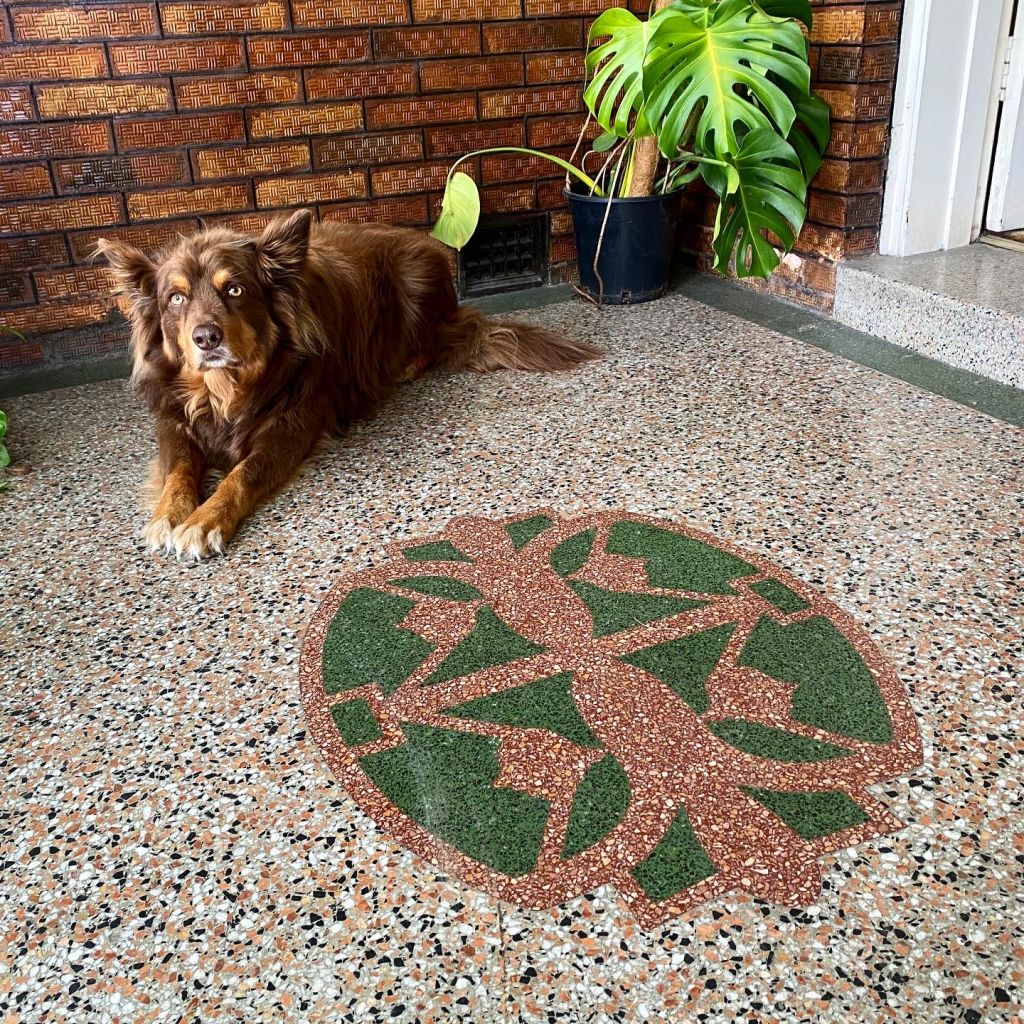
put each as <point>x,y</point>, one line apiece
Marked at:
<point>564,164</point>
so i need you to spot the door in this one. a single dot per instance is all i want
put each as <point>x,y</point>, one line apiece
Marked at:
<point>1005,211</point>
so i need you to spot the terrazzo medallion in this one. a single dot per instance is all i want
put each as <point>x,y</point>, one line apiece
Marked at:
<point>175,848</point>
<point>542,708</point>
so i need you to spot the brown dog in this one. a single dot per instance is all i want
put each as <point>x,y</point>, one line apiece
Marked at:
<point>248,350</point>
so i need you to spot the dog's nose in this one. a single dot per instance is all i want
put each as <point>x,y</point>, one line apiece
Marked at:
<point>207,337</point>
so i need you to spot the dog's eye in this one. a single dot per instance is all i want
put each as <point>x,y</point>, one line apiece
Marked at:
<point>177,299</point>
<point>235,290</point>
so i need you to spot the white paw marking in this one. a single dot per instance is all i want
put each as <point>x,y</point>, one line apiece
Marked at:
<point>159,535</point>
<point>197,543</point>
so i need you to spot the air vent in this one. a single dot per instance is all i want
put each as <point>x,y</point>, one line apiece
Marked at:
<point>503,255</point>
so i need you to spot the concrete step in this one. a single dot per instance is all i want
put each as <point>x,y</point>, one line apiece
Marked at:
<point>964,307</point>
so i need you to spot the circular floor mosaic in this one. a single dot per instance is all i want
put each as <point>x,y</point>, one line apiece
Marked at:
<point>542,706</point>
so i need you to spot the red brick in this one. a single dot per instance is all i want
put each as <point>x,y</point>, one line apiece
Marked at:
<point>20,355</point>
<point>5,31</point>
<point>323,119</point>
<point>306,190</point>
<point>464,10</point>
<point>15,290</point>
<point>54,285</point>
<point>354,150</point>
<point>25,180</point>
<point>174,202</point>
<point>563,249</point>
<point>547,8</point>
<point>549,194</point>
<point>20,254</point>
<point>844,211</point>
<point>878,63</point>
<point>184,55</point>
<point>96,98</point>
<point>436,110</point>
<point>247,223</point>
<point>470,73</point>
<point>405,43</point>
<point>408,210</point>
<point>116,173</point>
<point>510,167</point>
<point>836,243</point>
<point>54,316</point>
<point>390,181</point>
<point>42,24</point>
<point>223,16</point>
<point>259,89</point>
<point>245,161</point>
<point>148,238</point>
<point>555,67</point>
<point>16,104</point>
<point>838,64</point>
<point>862,102</point>
<point>59,214</point>
<point>561,223</point>
<point>378,80</point>
<point>53,140</point>
<point>524,36</point>
<point>838,25</point>
<point>346,13</point>
<point>850,140</point>
<point>465,138</point>
<point>506,199</point>
<point>559,131</point>
<point>171,132</point>
<point>516,102</point>
<point>847,176</point>
<point>882,24</point>
<point>301,51</point>
<point>47,63</point>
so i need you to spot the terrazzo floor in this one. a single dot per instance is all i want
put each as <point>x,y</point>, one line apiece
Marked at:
<point>175,849</point>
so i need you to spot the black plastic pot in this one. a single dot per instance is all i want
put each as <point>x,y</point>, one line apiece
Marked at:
<point>635,261</point>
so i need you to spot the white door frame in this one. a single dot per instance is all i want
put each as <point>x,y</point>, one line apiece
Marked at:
<point>944,117</point>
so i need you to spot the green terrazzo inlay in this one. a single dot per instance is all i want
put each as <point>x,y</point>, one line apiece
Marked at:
<point>835,689</point>
<point>364,643</point>
<point>439,586</point>
<point>613,612</point>
<point>678,861</point>
<point>811,815</point>
<point>774,744</point>
<point>543,704</point>
<point>684,665</point>
<point>778,594</point>
<point>600,802</point>
<point>522,531</point>
<point>571,555</point>
<point>444,780</point>
<point>356,722</point>
<point>436,551</point>
<point>676,562</point>
<point>490,643</point>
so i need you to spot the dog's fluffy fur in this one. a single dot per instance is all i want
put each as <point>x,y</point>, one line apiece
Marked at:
<point>314,324</point>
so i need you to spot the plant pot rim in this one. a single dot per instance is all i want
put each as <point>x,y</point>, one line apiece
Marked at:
<point>584,197</point>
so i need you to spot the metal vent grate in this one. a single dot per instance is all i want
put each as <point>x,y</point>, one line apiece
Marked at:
<point>504,255</point>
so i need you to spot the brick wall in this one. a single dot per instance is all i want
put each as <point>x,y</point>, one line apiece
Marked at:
<point>854,48</point>
<point>134,118</point>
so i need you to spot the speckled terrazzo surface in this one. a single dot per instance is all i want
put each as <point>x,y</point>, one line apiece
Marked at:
<point>174,847</point>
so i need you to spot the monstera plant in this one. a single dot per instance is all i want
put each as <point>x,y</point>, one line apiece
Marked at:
<point>712,89</point>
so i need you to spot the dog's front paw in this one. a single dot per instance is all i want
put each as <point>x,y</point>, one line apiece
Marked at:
<point>198,541</point>
<point>159,535</point>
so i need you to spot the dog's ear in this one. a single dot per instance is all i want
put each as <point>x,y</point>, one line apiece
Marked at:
<point>134,272</point>
<point>281,249</point>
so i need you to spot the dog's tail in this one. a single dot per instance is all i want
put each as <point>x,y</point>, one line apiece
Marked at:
<point>473,341</point>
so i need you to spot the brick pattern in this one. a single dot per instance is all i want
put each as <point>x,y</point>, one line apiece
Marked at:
<point>854,47</point>
<point>135,118</point>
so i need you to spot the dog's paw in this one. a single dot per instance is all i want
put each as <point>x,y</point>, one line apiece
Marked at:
<point>197,541</point>
<point>159,535</point>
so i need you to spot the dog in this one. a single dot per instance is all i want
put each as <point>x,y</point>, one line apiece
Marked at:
<point>248,349</point>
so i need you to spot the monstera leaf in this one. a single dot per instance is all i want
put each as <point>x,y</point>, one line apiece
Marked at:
<point>709,76</point>
<point>615,93</point>
<point>544,706</point>
<point>764,191</point>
